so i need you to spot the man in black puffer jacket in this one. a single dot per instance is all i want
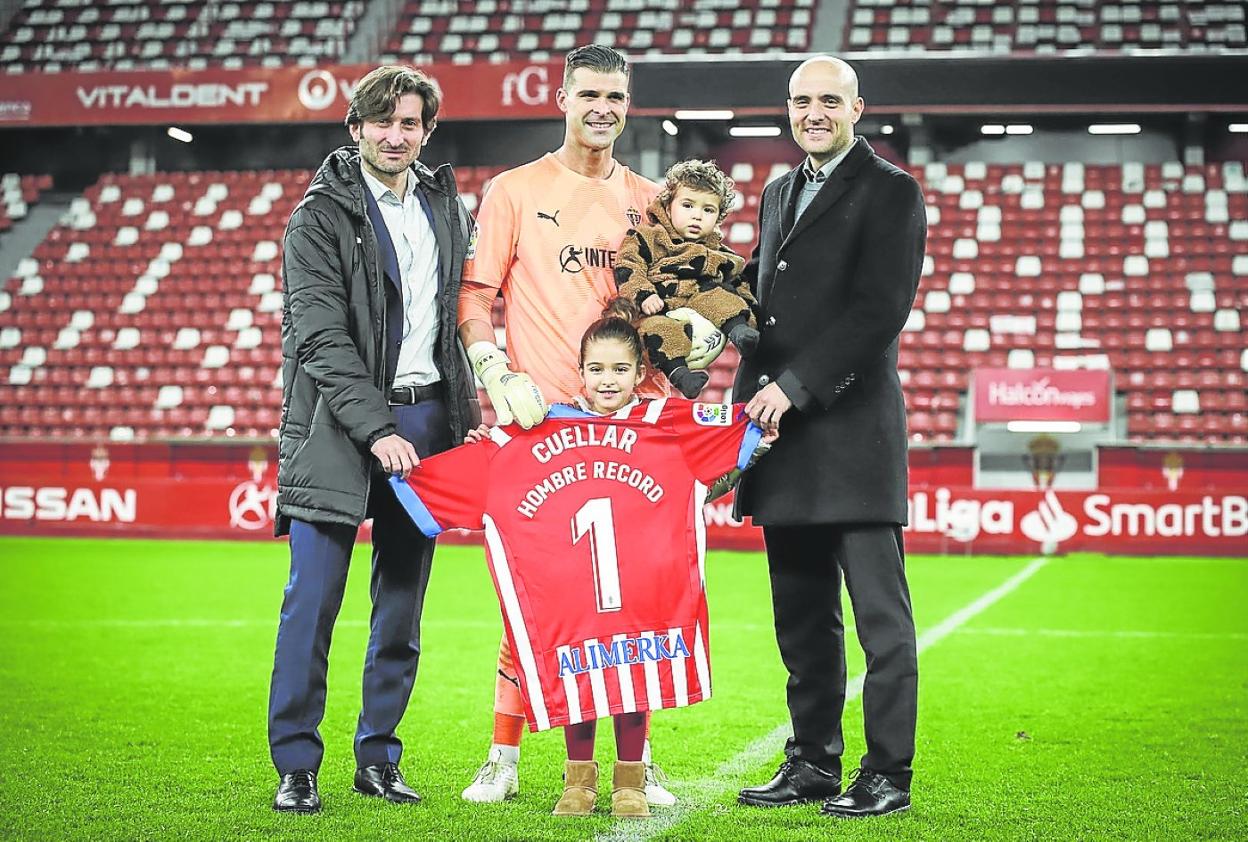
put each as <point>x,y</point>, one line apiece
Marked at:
<point>374,377</point>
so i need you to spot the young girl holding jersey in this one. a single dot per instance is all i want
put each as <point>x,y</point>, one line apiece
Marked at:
<point>612,365</point>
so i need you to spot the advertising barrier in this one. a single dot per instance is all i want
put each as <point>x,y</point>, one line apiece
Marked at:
<point>1036,394</point>
<point>477,91</point>
<point>1152,501</point>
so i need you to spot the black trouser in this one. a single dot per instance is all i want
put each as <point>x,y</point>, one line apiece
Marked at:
<point>319,556</point>
<point>806,565</point>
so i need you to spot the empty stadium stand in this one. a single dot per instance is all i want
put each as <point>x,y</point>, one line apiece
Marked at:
<point>17,194</point>
<point>1139,269</point>
<point>153,311</point>
<point>80,35</point>
<point>463,31</point>
<point>1045,26</point>
<point>61,35</point>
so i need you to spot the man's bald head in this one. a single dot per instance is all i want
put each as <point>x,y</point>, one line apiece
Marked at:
<point>823,107</point>
<point>828,68</point>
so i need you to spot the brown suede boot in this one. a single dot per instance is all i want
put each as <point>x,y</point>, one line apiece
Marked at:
<point>628,791</point>
<point>580,788</point>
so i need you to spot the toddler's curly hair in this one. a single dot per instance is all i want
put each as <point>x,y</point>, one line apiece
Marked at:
<point>702,176</point>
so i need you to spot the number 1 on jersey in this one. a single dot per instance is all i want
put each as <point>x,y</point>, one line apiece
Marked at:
<point>596,519</point>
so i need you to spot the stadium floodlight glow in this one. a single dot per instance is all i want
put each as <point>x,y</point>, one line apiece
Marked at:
<point>180,134</point>
<point>1114,128</point>
<point>1044,426</point>
<point>704,114</point>
<point>1238,128</point>
<point>754,131</point>
<point>887,128</point>
<point>1018,128</point>
<point>671,128</point>
<point>992,129</point>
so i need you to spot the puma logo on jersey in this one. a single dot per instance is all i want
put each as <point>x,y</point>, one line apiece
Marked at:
<point>552,217</point>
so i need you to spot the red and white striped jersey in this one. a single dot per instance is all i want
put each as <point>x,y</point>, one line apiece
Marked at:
<point>595,536</point>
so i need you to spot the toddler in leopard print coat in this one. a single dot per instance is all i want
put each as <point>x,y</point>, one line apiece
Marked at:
<point>676,258</point>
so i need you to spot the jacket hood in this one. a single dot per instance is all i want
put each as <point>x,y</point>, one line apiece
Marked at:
<point>658,214</point>
<point>339,178</point>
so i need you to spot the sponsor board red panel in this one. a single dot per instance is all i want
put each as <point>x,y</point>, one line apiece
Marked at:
<point>475,91</point>
<point>1037,394</point>
<point>1162,502</point>
<point>1158,468</point>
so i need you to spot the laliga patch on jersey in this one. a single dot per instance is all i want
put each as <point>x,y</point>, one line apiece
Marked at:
<point>472,242</point>
<point>712,414</point>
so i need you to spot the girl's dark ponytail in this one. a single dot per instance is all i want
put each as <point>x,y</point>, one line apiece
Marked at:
<point>617,322</point>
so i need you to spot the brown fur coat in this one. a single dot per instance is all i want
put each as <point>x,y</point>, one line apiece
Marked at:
<point>654,260</point>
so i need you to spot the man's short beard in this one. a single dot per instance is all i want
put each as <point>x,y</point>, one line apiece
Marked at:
<point>842,138</point>
<point>842,145</point>
<point>382,165</point>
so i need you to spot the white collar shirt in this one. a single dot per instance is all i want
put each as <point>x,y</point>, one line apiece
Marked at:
<point>416,248</point>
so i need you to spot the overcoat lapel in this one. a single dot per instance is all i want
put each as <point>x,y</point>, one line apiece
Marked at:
<point>836,186</point>
<point>788,200</point>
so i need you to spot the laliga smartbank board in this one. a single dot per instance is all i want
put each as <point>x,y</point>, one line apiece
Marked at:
<point>1152,500</point>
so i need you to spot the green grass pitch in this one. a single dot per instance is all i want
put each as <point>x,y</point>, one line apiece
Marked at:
<point>1100,698</point>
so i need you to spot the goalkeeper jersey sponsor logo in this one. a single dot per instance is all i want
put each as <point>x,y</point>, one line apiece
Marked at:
<point>592,655</point>
<point>573,259</point>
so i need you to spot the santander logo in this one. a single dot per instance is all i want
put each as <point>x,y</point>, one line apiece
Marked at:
<point>1050,524</point>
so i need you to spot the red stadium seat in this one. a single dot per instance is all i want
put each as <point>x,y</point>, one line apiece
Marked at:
<point>1117,316</point>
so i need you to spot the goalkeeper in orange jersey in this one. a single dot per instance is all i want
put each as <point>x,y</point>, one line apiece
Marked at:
<point>547,236</point>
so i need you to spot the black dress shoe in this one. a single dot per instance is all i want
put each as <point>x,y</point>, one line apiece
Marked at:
<point>871,794</point>
<point>797,782</point>
<point>385,781</point>
<point>297,793</point>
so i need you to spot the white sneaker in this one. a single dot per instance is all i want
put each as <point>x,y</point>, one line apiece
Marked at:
<point>657,794</point>
<point>497,780</point>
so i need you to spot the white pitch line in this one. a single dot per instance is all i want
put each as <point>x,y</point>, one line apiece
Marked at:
<point>697,795</point>
<point>1102,633</point>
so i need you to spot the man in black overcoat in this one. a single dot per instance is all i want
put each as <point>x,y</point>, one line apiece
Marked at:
<point>841,241</point>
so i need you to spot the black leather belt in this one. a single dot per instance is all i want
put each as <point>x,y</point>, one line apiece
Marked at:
<point>415,394</point>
